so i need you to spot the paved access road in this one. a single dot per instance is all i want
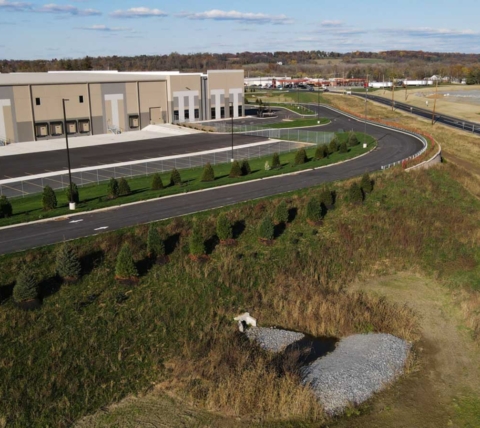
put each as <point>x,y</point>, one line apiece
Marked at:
<point>38,163</point>
<point>454,122</point>
<point>392,146</point>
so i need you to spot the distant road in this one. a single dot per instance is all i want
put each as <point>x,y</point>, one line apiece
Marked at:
<point>454,122</point>
<point>392,146</point>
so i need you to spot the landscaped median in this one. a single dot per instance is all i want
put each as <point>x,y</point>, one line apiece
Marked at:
<point>93,197</point>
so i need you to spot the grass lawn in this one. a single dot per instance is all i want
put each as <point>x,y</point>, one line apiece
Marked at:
<point>297,123</point>
<point>94,197</point>
<point>95,342</point>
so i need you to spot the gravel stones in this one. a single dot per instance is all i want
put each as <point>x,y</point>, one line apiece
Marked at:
<point>361,365</point>
<point>272,339</point>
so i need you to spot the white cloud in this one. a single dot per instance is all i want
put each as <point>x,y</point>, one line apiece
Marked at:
<point>431,32</point>
<point>15,6</point>
<point>104,28</point>
<point>67,10</point>
<point>233,15</point>
<point>138,12</point>
<point>328,23</point>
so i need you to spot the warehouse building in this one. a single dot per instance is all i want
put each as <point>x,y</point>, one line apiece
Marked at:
<point>31,106</point>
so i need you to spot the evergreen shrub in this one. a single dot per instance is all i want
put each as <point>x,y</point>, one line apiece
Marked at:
<point>157,183</point>
<point>5,207</point>
<point>208,174</point>
<point>49,199</point>
<point>67,264</point>
<point>125,267</point>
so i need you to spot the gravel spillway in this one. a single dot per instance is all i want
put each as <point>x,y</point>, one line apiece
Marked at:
<point>360,365</point>
<point>273,339</point>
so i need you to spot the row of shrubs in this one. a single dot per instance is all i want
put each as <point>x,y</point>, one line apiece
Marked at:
<point>68,266</point>
<point>117,188</point>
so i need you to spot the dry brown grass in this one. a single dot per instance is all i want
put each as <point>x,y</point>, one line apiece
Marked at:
<point>462,145</point>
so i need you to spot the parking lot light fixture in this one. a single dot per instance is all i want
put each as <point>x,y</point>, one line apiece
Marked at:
<point>231,116</point>
<point>72,204</point>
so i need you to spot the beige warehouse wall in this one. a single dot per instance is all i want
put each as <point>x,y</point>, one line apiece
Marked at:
<point>23,108</point>
<point>132,98</point>
<point>225,79</point>
<point>51,96</point>
<point>96,99</point>
<point>152,95</point>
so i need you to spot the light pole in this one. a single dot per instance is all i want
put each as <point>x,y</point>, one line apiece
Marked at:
<point>72,204</point>
<point>366,100</point>
<point>231,116</point>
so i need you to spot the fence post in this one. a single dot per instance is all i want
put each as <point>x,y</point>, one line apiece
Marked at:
<point>98,182</point>
<point>23,193</point>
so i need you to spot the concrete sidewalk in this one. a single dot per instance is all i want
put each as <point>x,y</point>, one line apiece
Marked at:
<point>147,133</point>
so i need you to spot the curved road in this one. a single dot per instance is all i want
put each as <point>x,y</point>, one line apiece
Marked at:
<point>392,146</point>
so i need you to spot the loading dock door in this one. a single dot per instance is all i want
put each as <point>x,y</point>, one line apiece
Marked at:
<point>155,115</point>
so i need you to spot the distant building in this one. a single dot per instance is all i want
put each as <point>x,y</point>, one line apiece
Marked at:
<point>102,102</point>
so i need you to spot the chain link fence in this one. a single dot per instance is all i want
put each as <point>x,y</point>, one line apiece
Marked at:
<point>297,135</point>
<point>94,175</point>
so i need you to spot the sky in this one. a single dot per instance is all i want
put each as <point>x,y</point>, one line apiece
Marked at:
<point>38,29</point>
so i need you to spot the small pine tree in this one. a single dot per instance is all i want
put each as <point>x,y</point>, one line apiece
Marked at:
<point>333,146</point>
<point>155,244</point>
<point>246,170</point>
<point>326,197</point>
<point>267,166</point>
<point>355,193</point>
<point>5,207</point>
<point>49,199</point>
<point>321,152</point>
<point>72,193</point>
<point>224,228</point>
<point>266,229</point>
<point>352,139</point>
<point>157,183</point>
<point>235,170</point>
<point>125,267</point>
<point>196,243</point>
<point>276,164</point>
<point>175,179</point>
<point>112,188</point>
<point>67,263</point>
<point>343,148</point>
<point>366,183</point>
<point>281,213</point>
<point>301,156</point>
<point>208,174</point>
<point>314,210</point>
<point>26,286</point>
<point>123,187</point>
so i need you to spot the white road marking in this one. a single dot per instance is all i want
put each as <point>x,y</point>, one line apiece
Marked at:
<point>76,221</point>
<point>101,228</point>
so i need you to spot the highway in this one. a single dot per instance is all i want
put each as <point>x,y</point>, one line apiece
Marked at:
<point>392,146</point>
<point>454,122</point>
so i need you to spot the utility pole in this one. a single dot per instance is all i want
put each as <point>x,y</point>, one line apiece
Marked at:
<point>434,101</point>
<point>393,94</point>
<point>72,204</point>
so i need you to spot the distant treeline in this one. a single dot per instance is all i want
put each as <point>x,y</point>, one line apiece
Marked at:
<point>378,65</point>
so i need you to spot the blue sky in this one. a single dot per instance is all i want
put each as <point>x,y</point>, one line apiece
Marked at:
<point>34,29</point>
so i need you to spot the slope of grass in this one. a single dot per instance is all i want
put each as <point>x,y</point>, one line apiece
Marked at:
<point>94,342</point>
<point>94,197</point>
